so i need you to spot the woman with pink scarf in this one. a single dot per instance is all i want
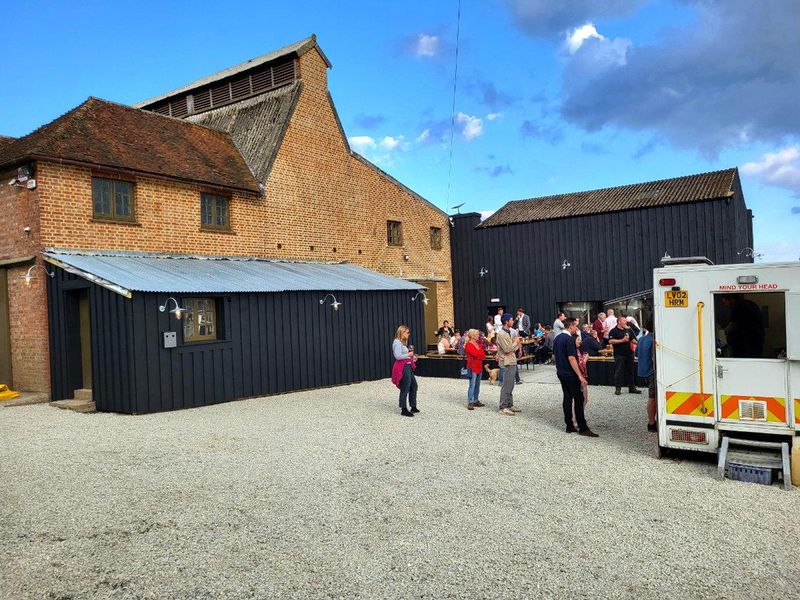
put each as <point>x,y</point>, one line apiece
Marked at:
<point>403,371</point>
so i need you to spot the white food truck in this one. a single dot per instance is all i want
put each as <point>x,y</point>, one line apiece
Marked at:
<point>728,360</point>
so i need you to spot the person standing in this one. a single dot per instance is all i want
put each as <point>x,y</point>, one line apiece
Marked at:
<point>609,323</point>
<point>517,377</point>
<point>620,338</point>
<point>498,320</point>
<point>403,372</point>
<point>572,380</point>
<point>599,326</point>
<point>507,346</point>
<point>523,323</point>
<point>475,355</point>
<point>445,329</point>
<point>558,324</point>
<point>645,352</point>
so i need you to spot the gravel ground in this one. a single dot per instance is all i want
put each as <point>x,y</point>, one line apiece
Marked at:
<point>330,493</point>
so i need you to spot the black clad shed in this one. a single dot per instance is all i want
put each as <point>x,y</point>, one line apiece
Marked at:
<point>272,333</point>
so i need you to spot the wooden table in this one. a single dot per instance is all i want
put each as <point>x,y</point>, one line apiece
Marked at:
<point>450,365</point>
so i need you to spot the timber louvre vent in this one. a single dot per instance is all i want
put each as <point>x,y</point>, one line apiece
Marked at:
<point>259,80</point>
<point>752,410</point>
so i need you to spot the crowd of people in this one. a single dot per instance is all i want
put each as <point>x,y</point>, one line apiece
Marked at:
<point>567,343</point>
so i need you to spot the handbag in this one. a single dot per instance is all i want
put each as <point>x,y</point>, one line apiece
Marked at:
<point>464,373</point>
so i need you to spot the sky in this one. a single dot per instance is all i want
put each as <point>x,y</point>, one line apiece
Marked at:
<point>550,97</point>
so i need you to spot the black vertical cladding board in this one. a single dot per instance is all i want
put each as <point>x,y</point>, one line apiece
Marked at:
<point>613,260</point>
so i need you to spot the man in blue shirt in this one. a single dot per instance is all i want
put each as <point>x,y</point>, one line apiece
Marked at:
<point>569,374</point>
<point>645,352</point>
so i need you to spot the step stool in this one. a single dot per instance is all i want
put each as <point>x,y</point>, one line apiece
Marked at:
<point>759,457</point>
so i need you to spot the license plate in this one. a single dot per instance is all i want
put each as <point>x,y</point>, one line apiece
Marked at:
<point>676,299</point>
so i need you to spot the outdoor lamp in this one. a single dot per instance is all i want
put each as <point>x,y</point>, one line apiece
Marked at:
<point>749,252</point>
<point>483,271</point>
<point>30,275</point>
<point>424,297</point>
<point>177,311</point>
<point>565,265</point>
<point>335,304</point>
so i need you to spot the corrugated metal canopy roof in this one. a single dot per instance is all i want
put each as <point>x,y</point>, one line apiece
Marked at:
<point>125,272</point>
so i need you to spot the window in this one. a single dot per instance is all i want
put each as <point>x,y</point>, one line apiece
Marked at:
<point>200,322</point>
<point>436,238</point>
<point>394,233</point>
<point>214,211</point>
<point>750,325</point>
<point>112,199</point>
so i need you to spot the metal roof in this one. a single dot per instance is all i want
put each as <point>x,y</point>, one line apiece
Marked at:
<point>126,272</point>
<point>690,188</point>
<point>298,48</point>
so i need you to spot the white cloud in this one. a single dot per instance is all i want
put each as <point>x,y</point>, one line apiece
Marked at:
<point>781,168</point>
<point>471,127</point>
<point>485,214</point>
<point>389,143</point>
<point>426,46</point>
<point>576,37</point>
<point>424,136</point>
<point>361,143</point>
<point>493,116</point>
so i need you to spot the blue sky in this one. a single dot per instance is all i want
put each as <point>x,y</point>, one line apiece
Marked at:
<point>552,97</point>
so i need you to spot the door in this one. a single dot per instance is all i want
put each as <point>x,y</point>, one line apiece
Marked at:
<point>431,313</point>
<point>86,339</point>
<point>751,366</point>
<point>5,331</point>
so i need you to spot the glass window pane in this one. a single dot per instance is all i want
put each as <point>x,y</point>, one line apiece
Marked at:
<point>205,210</point>
<point>101,196</point>
<point>122,198</point>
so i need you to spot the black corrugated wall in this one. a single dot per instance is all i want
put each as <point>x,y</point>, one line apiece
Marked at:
<point>611,255</point>
<point>273,343</point>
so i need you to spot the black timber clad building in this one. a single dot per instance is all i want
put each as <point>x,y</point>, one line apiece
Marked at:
<point>611,240</point>
<point>275,327</point>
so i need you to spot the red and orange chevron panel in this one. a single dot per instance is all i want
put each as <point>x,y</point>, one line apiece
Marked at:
<point>690,403</point>
<point>776,407</point>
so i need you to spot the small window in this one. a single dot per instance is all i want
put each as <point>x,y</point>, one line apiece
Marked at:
<point>214,211</point>
<point>750,324</point>
<point>112,199</point>
<point>436,238</point>
<point>394,233</point>
<point>200,322</point>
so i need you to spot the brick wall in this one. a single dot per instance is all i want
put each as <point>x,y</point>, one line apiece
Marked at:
<point>27,304</point>
<point>320,203</point>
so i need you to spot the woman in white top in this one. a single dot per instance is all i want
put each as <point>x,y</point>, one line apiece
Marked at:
<point>489,325</point>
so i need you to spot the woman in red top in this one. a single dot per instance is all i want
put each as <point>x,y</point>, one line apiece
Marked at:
<point>475,356</point>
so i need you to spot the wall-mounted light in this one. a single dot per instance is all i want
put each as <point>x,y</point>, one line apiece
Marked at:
<point>405,257</point>
<point>666,256</point>
<point>749,253</point>
<point>424,297</point>
<point>483,271</point>
<point>334,305</point>
<point>177,311</point>
<point>565,265</point>
<point>30,275</point>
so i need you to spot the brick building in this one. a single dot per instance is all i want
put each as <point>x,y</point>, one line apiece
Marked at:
<point>248,162</point>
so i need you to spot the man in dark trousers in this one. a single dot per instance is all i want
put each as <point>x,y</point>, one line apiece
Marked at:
<point>620,338</point>
<point>569,374</point>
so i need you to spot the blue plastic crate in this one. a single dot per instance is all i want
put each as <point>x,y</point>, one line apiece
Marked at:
<point>750,474</point>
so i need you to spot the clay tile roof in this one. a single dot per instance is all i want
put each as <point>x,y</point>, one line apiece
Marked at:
<point>112,135</point>
<point>5,141</point>
<point>691,188</point>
